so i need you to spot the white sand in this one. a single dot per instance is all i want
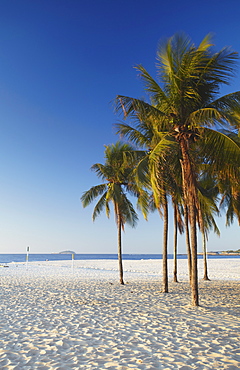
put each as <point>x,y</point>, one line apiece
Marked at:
<point>56,317</point>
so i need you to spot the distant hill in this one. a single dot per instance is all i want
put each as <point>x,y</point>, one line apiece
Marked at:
<point>231,252</point>
<point>66,252</point>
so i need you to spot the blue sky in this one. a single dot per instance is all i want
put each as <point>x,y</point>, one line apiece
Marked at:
<point>62,62</point>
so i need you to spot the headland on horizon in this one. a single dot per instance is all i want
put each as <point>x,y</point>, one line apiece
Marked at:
<point>64,252</point>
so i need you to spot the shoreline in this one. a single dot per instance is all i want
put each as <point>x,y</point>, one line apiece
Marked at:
<point>137,269</point>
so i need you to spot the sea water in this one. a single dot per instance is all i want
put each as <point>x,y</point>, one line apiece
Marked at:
<point>8,258</point>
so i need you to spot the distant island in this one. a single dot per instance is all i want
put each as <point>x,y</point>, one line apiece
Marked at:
<point>66,252</point>
<point>235,253</point>
<point>231,252</point>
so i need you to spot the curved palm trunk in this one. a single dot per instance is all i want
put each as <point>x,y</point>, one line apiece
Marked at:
<point>165,242</point>
<point>190,199</point>
<point>189,254</point>
<point>119,224</point>
<point>205,276</point>
<point>205,269</point>
<point>175,246</point>
<point>193,238</point>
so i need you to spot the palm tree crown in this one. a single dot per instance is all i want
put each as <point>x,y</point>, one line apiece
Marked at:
<point>116,172</point>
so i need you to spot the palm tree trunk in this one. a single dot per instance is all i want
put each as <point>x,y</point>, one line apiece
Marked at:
<point>175,246</point>
<point>193,236</point>
<point>189,254</point>
<point>120,250</point>
<point>191,200</point>
<point>205,269</point>
<point>201,222</point>
<point>165,243</point>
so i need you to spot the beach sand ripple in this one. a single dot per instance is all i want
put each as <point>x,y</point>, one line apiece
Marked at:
<point>54,317</point>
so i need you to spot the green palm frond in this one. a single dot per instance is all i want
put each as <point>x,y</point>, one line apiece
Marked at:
<point>233,210</point>
<point>206,43</point>
<point>138,109</point>
<point>131,158</point>
<point>169,55</point>
<point>204,116</point>
<point>114,192</point>
<point>91,194</point>
<point>143,202</point>
<point>102,202</point>
<point>210,224</point>
<point>232,135</point>
<point>221,66</point>
<point>128,213</point>
<point>228,107</point>
<point>229,102</point>
<point>153,89</point>
<point>141,173</point>
<point>134,135</point>
<point>208,203</point>
<point>181,65</point>
<point>102,171</point>
<point>162,149</point>
<point>230,200</point>
<point>220,151</point>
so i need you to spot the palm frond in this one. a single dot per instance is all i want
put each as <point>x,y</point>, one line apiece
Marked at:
<point>135,108</point>
<point>102,171</point>
<point>128,213</point>
<point>134,135</point>
<point>102,202</point>
<point>143,203</point>
<point>153,89</point>
<point>206,43</point>
<point>205,116</point>
<point>164,146</point>
<point>228,107</point>
<point>114,193</point>
<point>220,151</point>
<point>141,173</point>
<point>221,66</point>
<point>89,195</point>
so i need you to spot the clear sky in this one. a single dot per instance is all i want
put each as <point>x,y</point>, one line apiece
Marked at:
<point>62,62</point>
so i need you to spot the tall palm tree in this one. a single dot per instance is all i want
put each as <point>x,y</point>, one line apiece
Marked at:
<point>117,176</point>
<point>186,110</point>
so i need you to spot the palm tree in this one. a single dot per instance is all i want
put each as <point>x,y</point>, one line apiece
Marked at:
<point>187,111</point>
<point>116,172</point>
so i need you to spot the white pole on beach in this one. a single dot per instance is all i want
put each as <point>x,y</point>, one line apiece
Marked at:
<point>73,261</point>
<point>27,257</point>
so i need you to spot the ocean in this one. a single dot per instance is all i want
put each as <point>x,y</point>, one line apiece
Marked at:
<point>8,258</point>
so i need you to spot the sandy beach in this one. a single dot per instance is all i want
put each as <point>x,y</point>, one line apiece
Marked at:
<point>54,316</point>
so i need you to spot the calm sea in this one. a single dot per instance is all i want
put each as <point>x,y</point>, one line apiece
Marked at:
<point>7,258</point>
